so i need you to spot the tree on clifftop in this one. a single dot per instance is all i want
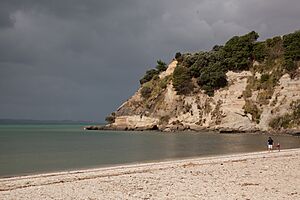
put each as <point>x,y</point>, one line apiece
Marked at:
<point>160,67</point>
<point>238,51</point>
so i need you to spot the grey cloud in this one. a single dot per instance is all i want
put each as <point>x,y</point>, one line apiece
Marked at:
<point>78,59</point>
<point>5,19</point>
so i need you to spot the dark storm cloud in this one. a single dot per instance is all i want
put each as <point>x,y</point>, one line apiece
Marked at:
<point>78,59</point>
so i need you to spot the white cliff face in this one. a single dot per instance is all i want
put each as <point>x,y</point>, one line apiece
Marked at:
<point>232,103</point>
<point>225,110</point>
<point>135,122</point>
<point>285,93</point>
<point>222,111</point>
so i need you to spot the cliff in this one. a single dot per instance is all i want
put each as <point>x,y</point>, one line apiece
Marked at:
<point>262,94</point>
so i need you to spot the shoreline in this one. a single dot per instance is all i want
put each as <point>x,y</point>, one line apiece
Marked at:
<point>136,163</point>
<point>290,132</point>
<point>90,177</point>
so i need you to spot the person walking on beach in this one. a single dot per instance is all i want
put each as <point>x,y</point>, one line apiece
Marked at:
<point>270,144</point>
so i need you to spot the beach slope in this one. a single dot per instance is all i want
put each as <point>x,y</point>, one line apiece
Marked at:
<point>259,175</point>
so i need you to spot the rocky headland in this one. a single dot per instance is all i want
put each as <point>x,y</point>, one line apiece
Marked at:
<point>242,86</point>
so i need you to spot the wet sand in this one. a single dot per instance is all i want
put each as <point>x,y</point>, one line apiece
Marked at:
<point>259,175</point>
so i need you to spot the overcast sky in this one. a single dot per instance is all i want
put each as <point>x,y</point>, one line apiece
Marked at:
<point>80,59</point>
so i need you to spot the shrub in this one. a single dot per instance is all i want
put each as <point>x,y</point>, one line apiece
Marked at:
<point>212,78</point>
<point>178,56</point>
<point>238,51</point>
<point>273,42</point>
<point>164,82</point>
<point>291,44</point>
<point>148,76</point>
<point>247,93</point>
<point>153,73</point>
<point>260,51</point>
<point>217,47</point>
<point>280,122</point>
<point>146,92</point>
<point>290,65</point>
<point>264,78</point>
<point>274,48</point>
<point>155,77</point>
<point>206,60</point>
<point>182,80</point>
<point>202,60</point>
<point>209,90</point>
<point>161,66</point>
<point>252,109</point>
<point>189,59</point>
<point>208,68</point>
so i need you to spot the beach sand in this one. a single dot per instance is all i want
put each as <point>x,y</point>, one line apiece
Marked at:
<point>259,175</point>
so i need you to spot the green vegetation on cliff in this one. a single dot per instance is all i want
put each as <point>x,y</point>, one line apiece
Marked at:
<point>291,44</point>
<point>238,54</point>
<point>154,87</point>
<point>150,74</point>
<point>182,80</point>
<point>209,68</point>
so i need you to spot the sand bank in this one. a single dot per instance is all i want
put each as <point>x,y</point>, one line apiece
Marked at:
<point>259,175</point>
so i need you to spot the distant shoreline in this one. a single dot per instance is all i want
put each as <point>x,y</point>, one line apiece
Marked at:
<point>42,122</point>
<point>221,131</point>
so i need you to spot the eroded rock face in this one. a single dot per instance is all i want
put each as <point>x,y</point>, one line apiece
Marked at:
<point>284,94</point>
<point>170,69</point>
<point>135,122</point>
<point>224,111</point>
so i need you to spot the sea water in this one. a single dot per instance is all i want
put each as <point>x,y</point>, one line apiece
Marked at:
<point>32,149</point>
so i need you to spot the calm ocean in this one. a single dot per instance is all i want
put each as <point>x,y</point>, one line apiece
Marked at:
<point>31,149</point>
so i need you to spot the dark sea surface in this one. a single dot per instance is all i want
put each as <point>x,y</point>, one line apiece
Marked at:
<point>32,149</point>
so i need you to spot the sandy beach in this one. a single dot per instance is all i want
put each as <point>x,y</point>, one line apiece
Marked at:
<point>259,175</point>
